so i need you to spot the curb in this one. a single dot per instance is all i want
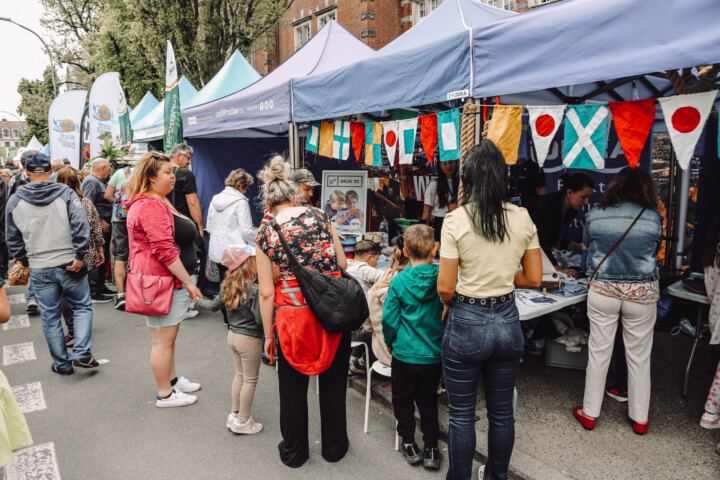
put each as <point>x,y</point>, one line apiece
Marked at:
<point>522,466</point>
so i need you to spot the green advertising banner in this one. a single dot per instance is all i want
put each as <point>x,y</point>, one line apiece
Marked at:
<point>173,123</point>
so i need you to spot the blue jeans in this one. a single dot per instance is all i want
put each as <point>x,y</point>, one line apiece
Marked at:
<point>31,290</point>
<point>50,285</point>
<point>487,342</point>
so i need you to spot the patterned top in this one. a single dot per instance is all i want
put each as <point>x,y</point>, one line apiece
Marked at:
<point>96,233</point>
<point>310,238</point>
<point>644,293</point>
<point>712,285</point>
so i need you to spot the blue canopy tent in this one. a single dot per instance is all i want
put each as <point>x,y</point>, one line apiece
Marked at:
<point>152,126</point>
<point>144,106</point>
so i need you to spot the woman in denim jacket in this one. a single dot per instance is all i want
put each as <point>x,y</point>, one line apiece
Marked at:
<point>626,283</point>
<point>482,243</point>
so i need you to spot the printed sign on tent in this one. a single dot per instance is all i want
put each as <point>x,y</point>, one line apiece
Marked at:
<point>448,125</point>
<point>505,130</point>
<point>407,129</point>
<point>685,117</point>
<point>344,199</point>
<point>585,136</point>
<point>64,120</point>
<point>341,140</point>
<point>313,137</point>
<point>544,124</point>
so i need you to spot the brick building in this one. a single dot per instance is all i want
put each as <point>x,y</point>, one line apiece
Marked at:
<point>376,22</point>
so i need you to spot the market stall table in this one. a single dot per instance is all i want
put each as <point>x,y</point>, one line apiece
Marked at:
<point>678,290</point>
<point>528,310</point>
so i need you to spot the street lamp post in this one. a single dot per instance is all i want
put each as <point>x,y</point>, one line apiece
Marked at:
<point>47,49</point>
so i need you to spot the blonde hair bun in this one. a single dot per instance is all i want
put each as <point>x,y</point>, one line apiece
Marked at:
<point>276,169</point>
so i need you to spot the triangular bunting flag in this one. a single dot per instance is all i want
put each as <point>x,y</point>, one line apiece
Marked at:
<point>505,130</point>
<point>390,139</point>
<point>407,130</point>
<point>544,124</point>
<point>341,140</point>
<point>327,131</point>
<point>373,141</point>
<point>448,125</point>
<point>313,137</point>
<point>633,122</point>
<point>685,117</point>
<point>358,139</point>
<point>429,135</point>
<point>585,136</point>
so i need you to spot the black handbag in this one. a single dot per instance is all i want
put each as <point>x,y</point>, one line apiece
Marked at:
<point>338,303</point>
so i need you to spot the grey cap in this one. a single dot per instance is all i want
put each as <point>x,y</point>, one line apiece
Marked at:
<point>305,177</point>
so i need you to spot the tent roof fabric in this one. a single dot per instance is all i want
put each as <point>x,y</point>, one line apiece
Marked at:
<point>580,41</point>
<point>152,126</point>
<point>424,65</point>
<point>143,107</point>
<point>34,144</point>
<point>235,75</point>
<point>266,103</point>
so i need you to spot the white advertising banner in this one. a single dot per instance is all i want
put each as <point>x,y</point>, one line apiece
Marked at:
<point>106,98</point>
<point>64,120</point>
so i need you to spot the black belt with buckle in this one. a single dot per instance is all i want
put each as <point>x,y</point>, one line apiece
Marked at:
<point>484,301</point>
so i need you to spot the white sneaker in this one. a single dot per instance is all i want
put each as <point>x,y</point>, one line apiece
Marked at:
<point>186,386</point>
<point>32,306</point>
<point>176,399</point>
<point>191,314</point>
<point>481,472</point>
<point>231,419</point>
<point>251,427</point>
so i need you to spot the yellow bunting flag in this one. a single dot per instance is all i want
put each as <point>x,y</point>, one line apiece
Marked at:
<point>327,132</point>
<point>505,130</point>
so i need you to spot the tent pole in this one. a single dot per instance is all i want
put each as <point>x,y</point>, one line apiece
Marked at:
<point>478,123</point>
<point>291,144</point>
<point>296,144</point>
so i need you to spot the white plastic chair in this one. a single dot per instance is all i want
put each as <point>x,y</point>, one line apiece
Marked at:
<point>384,371</point>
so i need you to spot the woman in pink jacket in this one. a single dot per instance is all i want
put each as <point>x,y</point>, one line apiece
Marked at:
<point>159,245</point>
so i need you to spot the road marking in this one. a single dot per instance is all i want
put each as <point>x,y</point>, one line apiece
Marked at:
<point>16,299</point>
<point>17,321</point>
<point>34,463</point>
<point>29,397</point>
<point>22,352</point>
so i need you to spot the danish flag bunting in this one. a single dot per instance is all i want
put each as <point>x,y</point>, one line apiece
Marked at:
<point>341,140</point>
<point>585,136</point>
<point>685,117</point>
<point>544,124</point>
<point>390,139</point>
<point>633,122</point>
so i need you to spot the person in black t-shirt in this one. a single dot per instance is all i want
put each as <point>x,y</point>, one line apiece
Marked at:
<point>184,196</point>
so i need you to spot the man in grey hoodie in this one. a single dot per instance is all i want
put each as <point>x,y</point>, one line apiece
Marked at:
<point>47,229</point>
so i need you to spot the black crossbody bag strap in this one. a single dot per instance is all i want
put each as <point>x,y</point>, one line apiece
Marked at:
<point>616,245</point>
<point>288,251</point>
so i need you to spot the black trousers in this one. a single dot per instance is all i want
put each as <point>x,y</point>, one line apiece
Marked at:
<point>294,448</point>
<point>416,385</point>
<point>97,276</point>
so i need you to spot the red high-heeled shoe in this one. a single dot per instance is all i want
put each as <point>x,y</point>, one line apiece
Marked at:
<point>587,423</point>
<point>639,428</point>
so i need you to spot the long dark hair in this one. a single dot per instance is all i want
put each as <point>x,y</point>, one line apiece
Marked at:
<point>483,173</point>
<point>444,196</point>
<point>631,185</point>
<point>711,256</point>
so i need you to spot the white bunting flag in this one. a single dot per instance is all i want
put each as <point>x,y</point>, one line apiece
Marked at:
<point>685,117</point>
<point>341,140</point>
<point>544,124</point>
<point>406,139</point>
<point>390,139</point>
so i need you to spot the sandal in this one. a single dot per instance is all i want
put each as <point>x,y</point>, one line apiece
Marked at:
<point>55,369</point>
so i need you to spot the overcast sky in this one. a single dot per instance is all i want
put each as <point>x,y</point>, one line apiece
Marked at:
<point>22,52</point>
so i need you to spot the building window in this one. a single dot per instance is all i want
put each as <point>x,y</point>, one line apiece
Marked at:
<point>6,133</point>
<point>7,144</point>
<point>16,133</point>
<point>422,10</point>
<point>324,19</point>
<point>302,34</point>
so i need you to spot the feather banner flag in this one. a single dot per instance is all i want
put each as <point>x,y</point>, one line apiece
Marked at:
<point>505,131</point>
<point>327,133</point>
<point>341,140</point>
<point>390,140</point>
<point>633,121</point>
<point>373,141</point>
<point>544,124</point>
<point>685,117</point>
<point>358,139</point>
<point>429,135</point>
<point>585,136</point>
<point>313,137</point>
<point>407,130</point>
<point>448,125</point>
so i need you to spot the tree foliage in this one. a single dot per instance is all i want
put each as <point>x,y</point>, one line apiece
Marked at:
<point>37,95</point>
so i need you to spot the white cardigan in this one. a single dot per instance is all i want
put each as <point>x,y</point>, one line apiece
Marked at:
<point>229,222</point>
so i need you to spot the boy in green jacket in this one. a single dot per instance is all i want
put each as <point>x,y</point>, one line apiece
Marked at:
<point>413,328</point>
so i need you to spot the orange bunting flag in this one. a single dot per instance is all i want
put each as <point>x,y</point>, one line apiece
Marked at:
<point>505,130</point>
<point>633,121</point>
<point>357,129</point>
<point>327,134</point>
<point>429,135</point>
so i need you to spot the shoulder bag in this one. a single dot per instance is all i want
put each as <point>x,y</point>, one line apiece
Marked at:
<point>616,245</point>
<point>149,295</point>
<point>338,303</point>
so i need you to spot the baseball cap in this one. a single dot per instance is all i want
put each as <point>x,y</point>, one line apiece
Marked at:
<point>38,163</point>
<point>304,176</point>
<point>235,255</point>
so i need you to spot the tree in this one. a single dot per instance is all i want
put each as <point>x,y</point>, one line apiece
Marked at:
<point>36,97</point>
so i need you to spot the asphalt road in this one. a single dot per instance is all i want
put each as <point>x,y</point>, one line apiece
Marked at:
<point>103,424</point>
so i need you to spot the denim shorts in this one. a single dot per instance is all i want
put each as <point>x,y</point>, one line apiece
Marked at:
<point>178,309</point>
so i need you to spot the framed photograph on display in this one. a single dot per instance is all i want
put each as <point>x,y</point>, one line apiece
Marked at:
<point>344,199</point>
